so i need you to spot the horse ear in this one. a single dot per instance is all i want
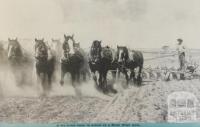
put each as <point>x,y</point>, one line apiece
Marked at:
<point>42,39</point>
<point>65,36</point>
<point>36,39</point>
<point>9,39</point>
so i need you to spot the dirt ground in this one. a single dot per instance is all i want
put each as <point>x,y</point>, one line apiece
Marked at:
<point>147,103</point>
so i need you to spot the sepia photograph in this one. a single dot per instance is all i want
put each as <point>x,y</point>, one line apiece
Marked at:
<point>99,61</point>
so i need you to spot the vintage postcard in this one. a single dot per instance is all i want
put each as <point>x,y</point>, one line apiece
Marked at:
<point>99,63</point>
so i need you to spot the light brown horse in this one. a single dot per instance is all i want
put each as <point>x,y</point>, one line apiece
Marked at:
<point>20,62</point>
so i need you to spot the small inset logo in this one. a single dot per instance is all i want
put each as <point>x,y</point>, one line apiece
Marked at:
<point>182,107</point>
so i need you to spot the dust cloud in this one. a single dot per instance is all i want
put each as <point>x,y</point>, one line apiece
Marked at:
<point>10,85</point>
<point>30,88</point>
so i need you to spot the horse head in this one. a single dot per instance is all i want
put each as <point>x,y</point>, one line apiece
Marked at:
<point>95,51</point>
<point>14,49</point>
<point>41,49</point>
<point>122,53</point>
<point>68,45</point>
<point>76,46</point>
<point>55,44</point>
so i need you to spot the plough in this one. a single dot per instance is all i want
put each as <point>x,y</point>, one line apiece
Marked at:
<point>167,74</point>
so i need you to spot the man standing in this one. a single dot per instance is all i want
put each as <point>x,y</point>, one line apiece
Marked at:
<point>181,54</point>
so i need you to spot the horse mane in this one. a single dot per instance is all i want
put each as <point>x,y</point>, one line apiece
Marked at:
<point>65,46</point>
<point>94,44</point>
<point>126,53</point>
<point>39,43</point>
<point>125,50</point>
<point>94,48</point>
<point>107,53</point>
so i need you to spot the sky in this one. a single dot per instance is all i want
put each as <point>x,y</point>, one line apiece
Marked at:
<point>134,23</point>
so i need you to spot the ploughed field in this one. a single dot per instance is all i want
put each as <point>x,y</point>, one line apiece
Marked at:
<point>135,104</point>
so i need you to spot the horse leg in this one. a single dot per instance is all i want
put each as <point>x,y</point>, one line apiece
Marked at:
<point>73,77</point>
<point>84,75</point>
<point>114,73</point>
<point>139,77</point>
<point>78,74</point>
<point>62,78</point>
<point>100,79</point>
<point>43,79</point>
<point>38,76</point>
<point>127,78</point>
<point>118,75</point>
<point>112,85</point>
<point>94,77</point>
<point>132,75</point>
<point>126,75</point>
<point>50,80</point>
<point>17,76</point>
<point>22,77</point>
<point>88,74</point>
<point>106,87</point>
<point>104,82</point>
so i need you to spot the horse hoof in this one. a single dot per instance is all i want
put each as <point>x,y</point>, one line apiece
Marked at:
<point>105,91</point>
<point>98,88</point>
<point>61,83</point>
<point>95,78</point>
<point>138,84</point>
<point>113,90</point>
<point>43,95</point>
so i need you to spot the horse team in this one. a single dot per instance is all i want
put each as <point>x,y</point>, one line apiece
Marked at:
<point>69,57</point>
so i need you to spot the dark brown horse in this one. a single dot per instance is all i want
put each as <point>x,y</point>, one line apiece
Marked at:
<point>45,64</point>
<point>73,60</point>
<point>100,61</point>
<point>129,60</point>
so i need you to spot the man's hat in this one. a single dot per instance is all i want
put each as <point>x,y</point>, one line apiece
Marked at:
<point>179,40</point>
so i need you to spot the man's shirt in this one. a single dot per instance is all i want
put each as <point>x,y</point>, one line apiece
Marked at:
<point>181,48</point>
